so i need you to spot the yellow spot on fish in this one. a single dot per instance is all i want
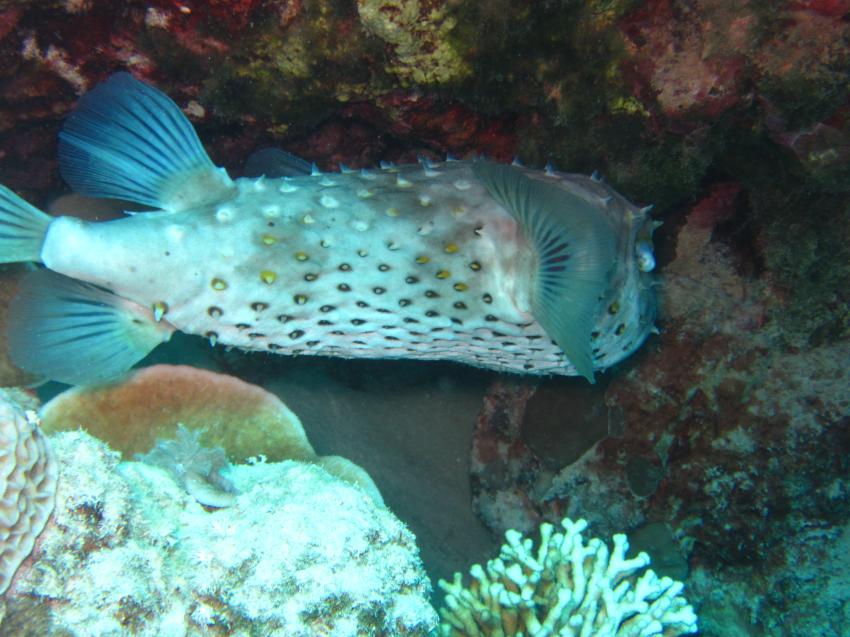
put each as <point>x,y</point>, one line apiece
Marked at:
<point>459,211</point>
<point>422,259</point>
<point>443,274</point>
<point>393,212</point>
<point>475,266</point>
<point>451,248</point>
<point>287,187</point>
<point>462,184</point>
<point>301,256</point>
<point>268,277</point>
<point>327,181</point>
<point>268,239</point>
<point>461,287</point>
<point>614,308</point>
<point>425,201</point>
<point>271,211</point>
<point>364,193</point>
<point>218,284</point>
<point>300,299</point>
<point>401,182</point>
<point>307,219</point>
<point>159,310</point>
<point>329,202</point>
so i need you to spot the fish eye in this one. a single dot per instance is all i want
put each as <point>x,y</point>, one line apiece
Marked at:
<point>645,258</point>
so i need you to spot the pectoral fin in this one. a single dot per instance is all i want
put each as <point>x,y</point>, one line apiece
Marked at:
<point>575,250</point>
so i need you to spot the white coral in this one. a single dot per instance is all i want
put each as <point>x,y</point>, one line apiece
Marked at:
<point>28,485</point>
<point>568,588</point>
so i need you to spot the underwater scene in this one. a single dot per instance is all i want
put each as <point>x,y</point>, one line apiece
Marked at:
<point>427,318</point>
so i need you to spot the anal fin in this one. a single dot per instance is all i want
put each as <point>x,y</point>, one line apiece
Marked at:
<point>575,249</point>
<point>78,333</point>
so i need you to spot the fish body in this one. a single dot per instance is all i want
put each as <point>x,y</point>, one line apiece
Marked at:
<point>500,267</point>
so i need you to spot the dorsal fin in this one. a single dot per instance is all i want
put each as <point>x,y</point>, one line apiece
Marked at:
<point>575,249</point>
<point>127,140</point>
<point>274,163</point>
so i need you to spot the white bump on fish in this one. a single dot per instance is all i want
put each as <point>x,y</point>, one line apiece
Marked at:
<point>496,266</point>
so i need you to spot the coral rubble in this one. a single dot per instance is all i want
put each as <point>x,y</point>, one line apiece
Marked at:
<point>299,553</point>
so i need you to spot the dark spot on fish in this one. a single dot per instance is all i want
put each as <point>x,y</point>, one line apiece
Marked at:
<point>490,318</point>
<point>391,338</point>
<point>620,329</point>
<point>270,224</point>
<point>274,346</point>
<point>404,302</point>
<point>594,335</point>
<point>431,294</point>
<point>456,320</point>
<point>343,287</point>
<point>498,334</point>
<point>478,230</point>
<point>243,326</point>
<point>167,253</point>
<point>379,290</point>
<point>327,308</point>
<point>345,267</point>
<point>296,334</point>
<point>437,329</point>
<point>300,299</point>
<point>215,311</point>
<point>312,343</point>
<point>387,327</point>
<point>407,319</point>
<point>487,298</point>
<point>528,366</point>
<point>357,321</point>
<point>459,305</point>
<point>477,338</point>
<point>475,266</point>
<point>255,335</point>
<point>325,322</point>
<point>284,318</point>
<point>508,343</point>
<point>259,306</point>
<point>362,304</point>
<point>338,333</point>
<point>383,267</point>
<point>411,279</point>
<point>383,310</point>
<point>310,276</point>
<point>533,337</point>
<point>431,314</point>
<point>211,334</point>
<point>613,308</point>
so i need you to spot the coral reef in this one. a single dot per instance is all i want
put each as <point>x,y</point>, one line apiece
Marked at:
<point>28,486</point>
<point>300,553</point>
<point>193,407</point>
<point>566,587</point>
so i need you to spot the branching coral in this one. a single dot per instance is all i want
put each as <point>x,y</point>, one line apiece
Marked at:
<point>568,588</point>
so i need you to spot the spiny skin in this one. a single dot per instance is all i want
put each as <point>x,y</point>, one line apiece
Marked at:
<point>408,262</point>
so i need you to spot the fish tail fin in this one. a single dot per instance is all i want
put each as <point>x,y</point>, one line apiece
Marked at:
<point>22,228</point>
<point>78,333</point>
<point>127,140</point>
<point>575,250</point>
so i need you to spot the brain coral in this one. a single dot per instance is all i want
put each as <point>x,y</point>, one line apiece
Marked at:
<point>28,484</point>
<point>568,588</point>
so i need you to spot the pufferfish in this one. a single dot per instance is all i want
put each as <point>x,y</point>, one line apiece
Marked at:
<point>491,265</point>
